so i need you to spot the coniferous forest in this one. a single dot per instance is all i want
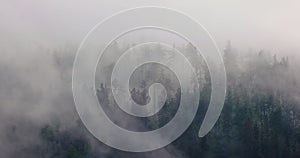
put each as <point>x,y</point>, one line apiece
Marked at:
<point>260,118</point>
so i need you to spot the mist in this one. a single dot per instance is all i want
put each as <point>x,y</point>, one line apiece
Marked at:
<point>39,41</point>
<point>250,24</point>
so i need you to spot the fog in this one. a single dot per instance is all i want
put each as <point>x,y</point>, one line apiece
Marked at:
<point>39,40</point>
<point>269,24</point>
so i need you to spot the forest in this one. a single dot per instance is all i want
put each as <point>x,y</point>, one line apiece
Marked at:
<point>260,118</point>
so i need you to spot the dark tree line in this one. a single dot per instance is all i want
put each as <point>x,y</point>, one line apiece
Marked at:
<point>260,118</point>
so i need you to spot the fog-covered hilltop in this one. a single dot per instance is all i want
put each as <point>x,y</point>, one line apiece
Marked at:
<point>260,118</point>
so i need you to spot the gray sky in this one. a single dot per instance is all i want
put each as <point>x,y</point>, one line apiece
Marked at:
<point>266,24</point>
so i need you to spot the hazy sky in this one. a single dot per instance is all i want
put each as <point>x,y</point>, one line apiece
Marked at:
<point>267,24</point>
<point>31,81</point>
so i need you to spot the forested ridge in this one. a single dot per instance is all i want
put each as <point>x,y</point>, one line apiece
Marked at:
<point>260,118</point>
